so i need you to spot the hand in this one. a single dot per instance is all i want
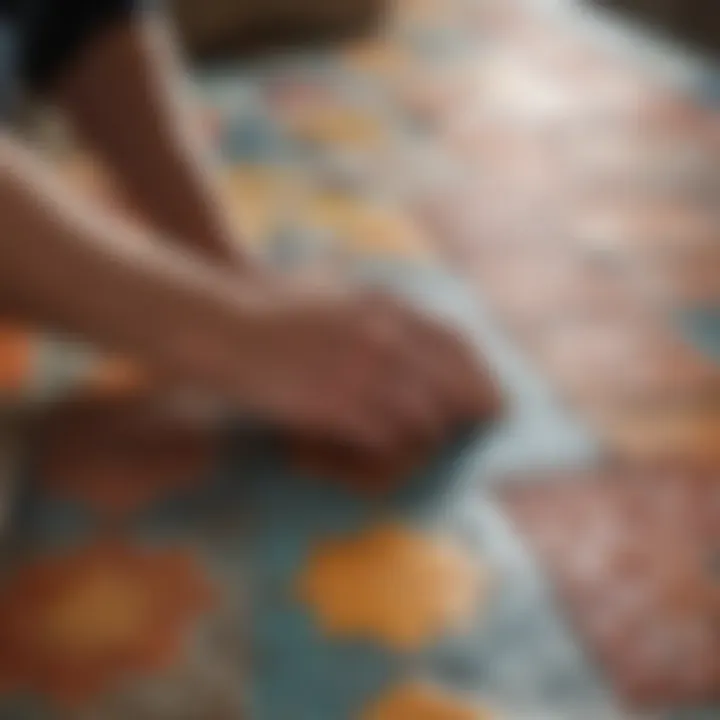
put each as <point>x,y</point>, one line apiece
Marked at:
<point>355,367</point>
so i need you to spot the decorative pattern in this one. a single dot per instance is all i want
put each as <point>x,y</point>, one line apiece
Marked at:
<point>422,701</point>
<point>576,191</point>
<point>77,625</point>
<point>635,558</point>
<point>392,585</point>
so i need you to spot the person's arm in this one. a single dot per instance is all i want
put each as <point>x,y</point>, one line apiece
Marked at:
<point>68,265</point>
<point>365,370</point>
<point>123,90</point>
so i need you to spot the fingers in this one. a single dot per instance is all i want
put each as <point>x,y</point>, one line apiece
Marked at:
<point>418,380</point>
<point>468,383</point>
<point>410,414</point>
<point>364,370</point>
<point>461,387</point>
<point>401,392</point>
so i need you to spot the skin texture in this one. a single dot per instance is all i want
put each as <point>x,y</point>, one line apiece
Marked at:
<point>146,134</point>
<point>183,299</point>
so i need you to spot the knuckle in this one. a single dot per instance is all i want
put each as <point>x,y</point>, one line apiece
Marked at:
<point>382,338</point>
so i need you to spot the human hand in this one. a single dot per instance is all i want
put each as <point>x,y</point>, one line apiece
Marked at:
<point>353,366</point>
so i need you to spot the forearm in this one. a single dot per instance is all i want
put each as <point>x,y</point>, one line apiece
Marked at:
<point>68,265</point>
<point>125,97</point>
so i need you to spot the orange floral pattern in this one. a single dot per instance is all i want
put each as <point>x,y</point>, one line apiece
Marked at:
<point>119,458</point>
<point>393,585</point>
<point>76,626</point>
<point>415,701</point>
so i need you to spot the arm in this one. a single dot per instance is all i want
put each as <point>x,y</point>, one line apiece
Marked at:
<point>68,265</point>
<point>319,362</point>
<point>123,92</point>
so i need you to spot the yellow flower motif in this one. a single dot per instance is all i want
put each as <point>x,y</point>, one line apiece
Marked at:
<point>392,585</point>
<point>73,627</point>
<point>254,196</point>
<point>337,126</point>
<point>370,228</point>
<point>423,702</point>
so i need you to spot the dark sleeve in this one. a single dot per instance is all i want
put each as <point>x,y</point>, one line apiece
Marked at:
<point>53,32</point>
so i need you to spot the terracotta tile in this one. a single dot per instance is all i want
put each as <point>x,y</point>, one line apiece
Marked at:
<point>641,593</point>
<point>663,435</point>
<point>621,360</point>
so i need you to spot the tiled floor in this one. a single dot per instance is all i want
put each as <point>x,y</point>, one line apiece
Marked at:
<point>553,166</point>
